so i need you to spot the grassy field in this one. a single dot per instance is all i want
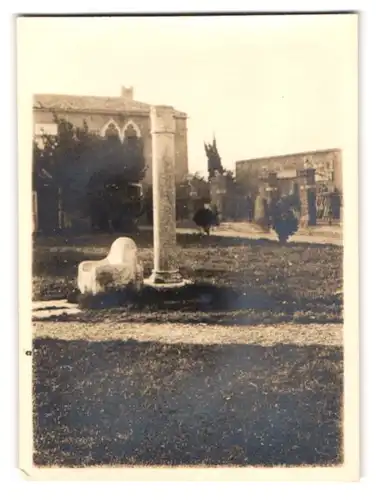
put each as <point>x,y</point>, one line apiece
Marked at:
<point>216,385</point>
<point>236,281</point>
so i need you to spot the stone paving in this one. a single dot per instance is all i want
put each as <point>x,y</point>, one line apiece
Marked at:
<point>46,308</point>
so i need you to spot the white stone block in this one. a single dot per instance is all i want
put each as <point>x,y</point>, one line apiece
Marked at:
<point>120,269</point>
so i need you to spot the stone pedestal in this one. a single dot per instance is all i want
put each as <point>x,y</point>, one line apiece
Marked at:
<point>218,195</point>
<point>166,270</point>
<point>272,188</point>
<point>266,200</point>
<point>272,196</point>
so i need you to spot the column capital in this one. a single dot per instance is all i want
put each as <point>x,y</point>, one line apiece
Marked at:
<point>162,120</point>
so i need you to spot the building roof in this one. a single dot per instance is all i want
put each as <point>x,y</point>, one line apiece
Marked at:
<point>292,155</point>
<point>91,103</point>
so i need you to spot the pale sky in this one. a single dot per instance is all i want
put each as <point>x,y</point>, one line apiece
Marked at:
<point>264,85</point>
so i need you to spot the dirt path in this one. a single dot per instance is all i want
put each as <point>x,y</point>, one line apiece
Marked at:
<point>324,238</point>
<point>171,333</point>
<point>327,239</point>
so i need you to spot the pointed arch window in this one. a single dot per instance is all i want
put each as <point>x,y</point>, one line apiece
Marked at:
<point>130,132</point>
<point>112,131</point>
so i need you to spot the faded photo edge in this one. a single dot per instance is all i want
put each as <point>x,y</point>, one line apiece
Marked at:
<point>349,471</point>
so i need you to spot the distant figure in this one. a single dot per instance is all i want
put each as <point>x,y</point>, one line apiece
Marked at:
<point>205,218</point>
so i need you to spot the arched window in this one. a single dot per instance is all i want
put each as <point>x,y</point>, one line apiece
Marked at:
<point>131,130</point>
<point>111,130</point>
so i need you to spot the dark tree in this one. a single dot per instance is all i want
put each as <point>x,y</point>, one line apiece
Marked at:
<point>214,160</point>
<point>94,175</point>
<point>69,158</point>
<point>113,189</point>
<point>285,218</point>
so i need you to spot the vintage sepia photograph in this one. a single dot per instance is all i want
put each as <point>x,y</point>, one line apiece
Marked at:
<point>188,233</point>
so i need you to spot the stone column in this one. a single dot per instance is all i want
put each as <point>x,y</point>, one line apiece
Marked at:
<point>35,211</point>
<point>166,269</point>
<point>306,179</point>
<point>60,212</point>
<point>261,208</point>
<point>218,194</point>
<point>272,189</point>
<point>272,195</point>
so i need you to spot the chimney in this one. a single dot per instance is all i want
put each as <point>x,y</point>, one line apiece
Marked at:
<point>127,93</point>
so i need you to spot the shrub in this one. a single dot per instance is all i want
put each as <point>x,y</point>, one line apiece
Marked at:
<point>206,218</point>
<point>285,220</point>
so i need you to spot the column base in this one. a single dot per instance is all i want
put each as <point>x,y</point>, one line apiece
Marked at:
<point>166,279</point>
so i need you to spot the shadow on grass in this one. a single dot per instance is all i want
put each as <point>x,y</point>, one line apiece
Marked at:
<point>103,403</point>
<point>193,297</point>
<point>205,303</point>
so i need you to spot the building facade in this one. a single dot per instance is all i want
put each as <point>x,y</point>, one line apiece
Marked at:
<point>327,164</point>
<point>122,115</point>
